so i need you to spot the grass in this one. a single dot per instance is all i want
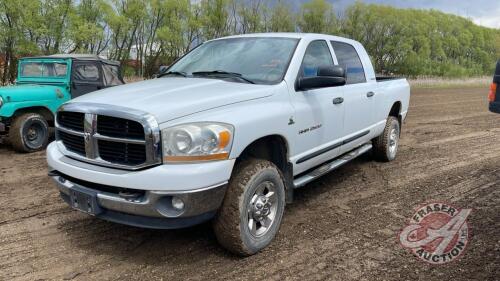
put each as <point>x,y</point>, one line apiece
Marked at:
<point>437,82</point>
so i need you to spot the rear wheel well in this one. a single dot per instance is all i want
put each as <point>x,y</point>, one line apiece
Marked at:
<point>43,111</point>
<point>273,148</point>
<point>396,111</point>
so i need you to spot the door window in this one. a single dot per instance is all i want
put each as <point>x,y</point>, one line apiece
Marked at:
<point>86,72</point>
<point>348,58</point>
<point>317,55</point>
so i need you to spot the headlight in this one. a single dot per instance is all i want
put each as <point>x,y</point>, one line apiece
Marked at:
<point>197,142</point>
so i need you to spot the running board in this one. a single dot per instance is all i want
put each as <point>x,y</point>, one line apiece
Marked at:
<point>325,168</point>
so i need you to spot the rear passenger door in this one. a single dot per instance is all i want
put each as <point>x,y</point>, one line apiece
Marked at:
<point>358,96</point>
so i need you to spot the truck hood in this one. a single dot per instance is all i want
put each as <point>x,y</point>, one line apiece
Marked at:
<point>171,97</point>
<point>29,92</point>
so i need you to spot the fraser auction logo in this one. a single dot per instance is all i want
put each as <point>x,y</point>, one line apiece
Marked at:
<point>437,233</point>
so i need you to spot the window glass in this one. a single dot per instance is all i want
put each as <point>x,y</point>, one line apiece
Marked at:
<point>317,55</point>
<point>111,75</point>
<point>262,60</point>
<point>86,72</point>
<point>43,69</point>
<point>348,58</point>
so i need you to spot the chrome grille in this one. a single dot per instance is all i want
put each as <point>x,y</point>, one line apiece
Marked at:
<point>119,127</point>
<point>108,135</point>
<point>71,120</point>
<point>73,143</point>
<point>124,153</point>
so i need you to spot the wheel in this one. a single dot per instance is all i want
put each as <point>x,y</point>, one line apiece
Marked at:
<point>251,213</point>
<point>29,132</point>
<point>385,146</point>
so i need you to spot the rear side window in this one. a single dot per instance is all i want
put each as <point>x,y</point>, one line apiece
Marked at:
<point>111,75</point>
<point>86,72</point>
<point>348,58</point>
<point>317,55</point>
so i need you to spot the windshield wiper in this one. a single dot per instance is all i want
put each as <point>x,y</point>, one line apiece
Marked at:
<point>224,73</point>
<point>179,73</point>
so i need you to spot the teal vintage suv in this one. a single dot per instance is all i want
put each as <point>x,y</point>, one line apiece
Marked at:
<point>27,109</point>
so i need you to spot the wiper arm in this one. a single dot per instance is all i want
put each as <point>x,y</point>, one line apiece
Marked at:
<point>226,73</point>
<point>179,73</point>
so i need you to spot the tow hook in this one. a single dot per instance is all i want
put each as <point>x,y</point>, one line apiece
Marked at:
<point>129,195</point>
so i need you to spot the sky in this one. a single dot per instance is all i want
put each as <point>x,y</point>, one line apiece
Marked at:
<point>482,12</point>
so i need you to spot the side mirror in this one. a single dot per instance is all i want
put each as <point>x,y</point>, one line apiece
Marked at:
<point>329,76</point>
<point>162,69</point>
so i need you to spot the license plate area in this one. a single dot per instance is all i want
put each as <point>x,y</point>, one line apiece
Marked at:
<point>85,201</point>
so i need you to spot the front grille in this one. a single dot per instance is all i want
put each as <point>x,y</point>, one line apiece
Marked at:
<point>71,120</point>
<point>72,143</point>
<point>122,153</point>
<point>119,128</point>
<point>107,140</point>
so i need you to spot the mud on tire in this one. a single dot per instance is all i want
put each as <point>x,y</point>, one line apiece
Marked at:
<point>237,226</point>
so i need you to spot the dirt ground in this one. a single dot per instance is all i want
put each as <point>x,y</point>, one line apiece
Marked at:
<point>341,227</point>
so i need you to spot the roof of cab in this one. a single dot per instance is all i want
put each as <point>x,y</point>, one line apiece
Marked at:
<point>294,35</point>
<point>89,57</point>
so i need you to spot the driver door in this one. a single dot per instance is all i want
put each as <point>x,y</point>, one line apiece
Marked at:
<point>86,77</point>
<point>319,118</point>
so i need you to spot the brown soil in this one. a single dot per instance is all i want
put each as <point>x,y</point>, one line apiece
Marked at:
<point>342,226</point>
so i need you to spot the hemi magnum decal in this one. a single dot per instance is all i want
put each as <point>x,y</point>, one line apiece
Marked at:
<point>310,129</point>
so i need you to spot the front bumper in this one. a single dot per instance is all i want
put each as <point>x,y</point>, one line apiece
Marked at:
<point>148,209</point>
<point>144,197</point>
<point>495,107</point>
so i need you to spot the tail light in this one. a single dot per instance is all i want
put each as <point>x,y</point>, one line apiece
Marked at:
<point>493,92</point>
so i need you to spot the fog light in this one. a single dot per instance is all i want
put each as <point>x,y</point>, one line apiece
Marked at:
<point>177,203</point>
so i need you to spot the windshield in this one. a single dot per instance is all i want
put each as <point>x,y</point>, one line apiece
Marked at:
<point>260,60</point>
<point>33,69</point>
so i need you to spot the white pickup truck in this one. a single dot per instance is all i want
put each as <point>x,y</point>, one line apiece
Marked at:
<point>226,134</point>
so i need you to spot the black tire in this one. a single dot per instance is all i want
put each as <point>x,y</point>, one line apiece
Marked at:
<point>29,133</point>
<point>231,224</point>
<point>384,148</point>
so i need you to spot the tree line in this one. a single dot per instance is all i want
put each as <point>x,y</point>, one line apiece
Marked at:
<point>406,42</point>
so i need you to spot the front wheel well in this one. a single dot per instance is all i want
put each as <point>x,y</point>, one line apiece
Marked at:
<point>43,111</point>
<point>273,148</point>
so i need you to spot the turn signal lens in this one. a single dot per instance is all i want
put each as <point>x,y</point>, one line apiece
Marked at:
<point>493,92</point>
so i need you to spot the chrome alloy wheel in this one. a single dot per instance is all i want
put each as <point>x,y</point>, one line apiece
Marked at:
<point>262,209</point>
<point>393,142</point>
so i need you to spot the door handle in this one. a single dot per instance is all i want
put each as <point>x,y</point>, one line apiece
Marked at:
<point>338,100</point>
<point>370,94</point>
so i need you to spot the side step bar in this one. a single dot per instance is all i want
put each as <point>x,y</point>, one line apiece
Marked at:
<point>325,168</point>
